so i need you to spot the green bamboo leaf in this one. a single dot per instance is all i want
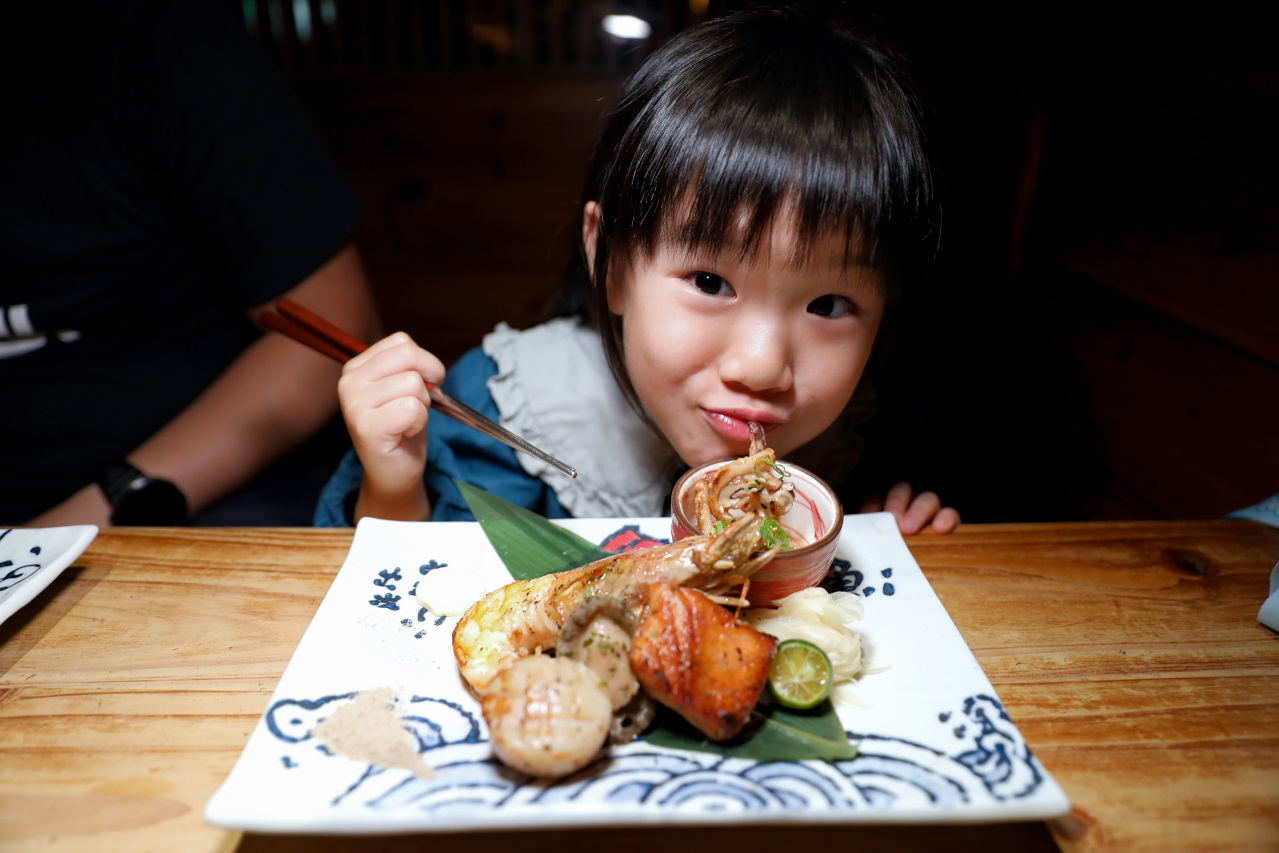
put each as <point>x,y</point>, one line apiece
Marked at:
<point>529,545</point>
<point>777,734</point>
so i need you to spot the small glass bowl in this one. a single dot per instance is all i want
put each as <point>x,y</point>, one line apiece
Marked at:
<point>816,518</point>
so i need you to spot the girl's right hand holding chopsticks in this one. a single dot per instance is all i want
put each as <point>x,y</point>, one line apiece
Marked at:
<point>385,402</point>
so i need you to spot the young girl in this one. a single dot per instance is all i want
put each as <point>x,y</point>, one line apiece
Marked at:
<point>758,210</point>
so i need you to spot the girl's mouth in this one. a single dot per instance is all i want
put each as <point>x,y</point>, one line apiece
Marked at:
<point>733,424</point>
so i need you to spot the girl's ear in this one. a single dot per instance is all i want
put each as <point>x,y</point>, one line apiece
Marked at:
<point>590,231</point>
<point>590,236</point>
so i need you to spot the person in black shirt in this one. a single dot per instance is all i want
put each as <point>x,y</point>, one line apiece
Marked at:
<point>159,186</point>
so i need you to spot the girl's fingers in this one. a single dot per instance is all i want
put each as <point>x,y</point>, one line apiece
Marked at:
<point>898,500</point>
<point>946,520</point>
<point>922,508</point>
<point>395,353</point>
<point>913,513</point>
<point>404,417</point>
<point>383,428</point>
<point>389,342</point>
<point>373,395</point>
<point>383,390</point>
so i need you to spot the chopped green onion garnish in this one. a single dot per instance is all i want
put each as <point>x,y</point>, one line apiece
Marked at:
<point>774,464</point>
<point>773,534</point>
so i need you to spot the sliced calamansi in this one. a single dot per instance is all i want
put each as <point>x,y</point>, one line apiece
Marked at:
<point>800,675</point>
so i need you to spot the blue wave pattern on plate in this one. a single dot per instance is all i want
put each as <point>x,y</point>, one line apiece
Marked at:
<point>31,558</point>
<point>989,761</point>
<point>885,772</point>
<point>14,574</point>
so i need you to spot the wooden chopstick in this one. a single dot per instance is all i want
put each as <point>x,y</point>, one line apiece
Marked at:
<point>285,326</point>
<point>321,327</point>
<point>322,336</point>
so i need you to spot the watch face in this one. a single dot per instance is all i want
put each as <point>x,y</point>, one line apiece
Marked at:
<point>156,503</point>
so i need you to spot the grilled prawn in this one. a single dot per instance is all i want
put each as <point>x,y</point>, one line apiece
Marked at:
<point>752,484</point>
<point>525,617</point>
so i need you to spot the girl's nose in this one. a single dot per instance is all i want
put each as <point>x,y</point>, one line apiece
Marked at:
<point>758,358</point>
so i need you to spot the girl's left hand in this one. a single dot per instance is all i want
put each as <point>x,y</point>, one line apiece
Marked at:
<point>913,512</point>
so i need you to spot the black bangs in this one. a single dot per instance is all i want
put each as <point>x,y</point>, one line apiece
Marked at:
<point>716,137</point>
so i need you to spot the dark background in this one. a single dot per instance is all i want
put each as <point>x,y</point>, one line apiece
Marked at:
<point>1104,338</point>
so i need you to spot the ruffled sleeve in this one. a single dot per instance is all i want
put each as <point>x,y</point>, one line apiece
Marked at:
<point>553,387</point>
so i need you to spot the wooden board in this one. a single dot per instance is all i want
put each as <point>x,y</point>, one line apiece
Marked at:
<point>1130,657</point>
<point>130,685</point>
<point>1128,654</point>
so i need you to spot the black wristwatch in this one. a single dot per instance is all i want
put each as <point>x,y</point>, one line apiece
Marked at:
<point>139,500</point>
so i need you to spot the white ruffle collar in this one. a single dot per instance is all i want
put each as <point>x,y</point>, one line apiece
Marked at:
<point>554,388</point>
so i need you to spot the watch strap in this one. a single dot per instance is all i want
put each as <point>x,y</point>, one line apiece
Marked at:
<point>138,499</point>
<point>120,479</point>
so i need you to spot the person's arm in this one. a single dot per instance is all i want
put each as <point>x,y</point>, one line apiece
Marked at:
<point>273,397</point>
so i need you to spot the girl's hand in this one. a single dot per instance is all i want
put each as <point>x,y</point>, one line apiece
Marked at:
<point>913,512</point>
<point>384,397</point>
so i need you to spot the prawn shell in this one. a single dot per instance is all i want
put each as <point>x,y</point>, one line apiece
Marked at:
<point>525,617</point>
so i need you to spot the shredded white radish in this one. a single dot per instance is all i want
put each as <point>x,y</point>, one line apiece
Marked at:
<point>823,619</point>
<point>836,609</point>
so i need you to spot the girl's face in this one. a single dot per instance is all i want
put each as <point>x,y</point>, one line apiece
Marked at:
<point>712,341</point>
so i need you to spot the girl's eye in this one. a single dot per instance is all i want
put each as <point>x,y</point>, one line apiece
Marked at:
<point>830,305</point>
<point>711,284</point>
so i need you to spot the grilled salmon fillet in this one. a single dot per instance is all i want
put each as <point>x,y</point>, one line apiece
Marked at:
<point>698,659</point>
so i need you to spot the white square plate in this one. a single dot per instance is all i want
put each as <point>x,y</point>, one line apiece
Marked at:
<point>935,742</point>
<point>31,557</point>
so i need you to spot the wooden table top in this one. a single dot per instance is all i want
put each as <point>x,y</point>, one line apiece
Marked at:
<point>1128,654</point>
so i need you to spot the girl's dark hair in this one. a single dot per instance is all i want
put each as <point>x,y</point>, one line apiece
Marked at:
<point>744,117</point>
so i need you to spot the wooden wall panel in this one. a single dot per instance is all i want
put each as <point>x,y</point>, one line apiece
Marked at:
<point>1178,418</point>
<point>469,185</point>
<point>1177,215</point>
<point>1152,245</point>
